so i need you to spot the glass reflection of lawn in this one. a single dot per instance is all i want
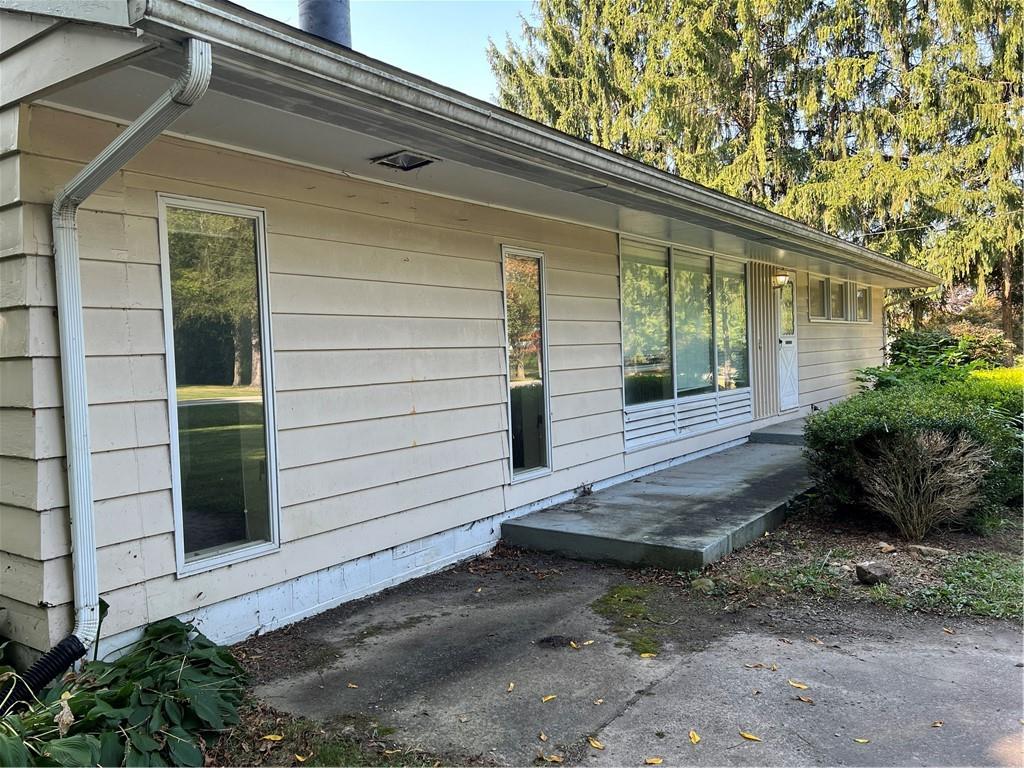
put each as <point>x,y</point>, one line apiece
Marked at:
<point>223,464</point>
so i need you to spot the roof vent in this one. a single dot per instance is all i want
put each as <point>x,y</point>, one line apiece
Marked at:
<point>404,160</point>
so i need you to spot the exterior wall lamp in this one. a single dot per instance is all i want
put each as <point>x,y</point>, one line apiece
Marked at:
<point>781,279</point>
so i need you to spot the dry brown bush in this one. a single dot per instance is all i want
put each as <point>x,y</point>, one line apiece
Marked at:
<point>922,479</point>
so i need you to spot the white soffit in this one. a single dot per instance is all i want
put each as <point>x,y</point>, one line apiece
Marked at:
<point>238,116</point>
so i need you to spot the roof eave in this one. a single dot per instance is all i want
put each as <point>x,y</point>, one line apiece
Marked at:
<point>240,33</point>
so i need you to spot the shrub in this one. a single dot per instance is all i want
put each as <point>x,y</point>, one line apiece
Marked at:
<point>922,479</point>
<point>850,432</point>
<point>960,344</point>
<point>149,707</point>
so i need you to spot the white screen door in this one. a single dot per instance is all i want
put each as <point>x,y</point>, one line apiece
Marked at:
<point>789,374</point>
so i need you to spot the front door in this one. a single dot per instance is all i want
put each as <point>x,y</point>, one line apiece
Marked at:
<point>789,372</point>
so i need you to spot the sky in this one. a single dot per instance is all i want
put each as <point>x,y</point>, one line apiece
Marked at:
<point>443,40</point>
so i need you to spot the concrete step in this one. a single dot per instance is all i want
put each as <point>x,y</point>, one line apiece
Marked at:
<point>680,518</point>
<point>784,433</point>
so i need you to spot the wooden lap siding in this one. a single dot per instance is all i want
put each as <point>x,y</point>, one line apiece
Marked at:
<point>829,353</point>
<point>389,359</point>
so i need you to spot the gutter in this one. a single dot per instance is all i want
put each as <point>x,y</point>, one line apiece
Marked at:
<point>190,86</point>
<point>259,46</point>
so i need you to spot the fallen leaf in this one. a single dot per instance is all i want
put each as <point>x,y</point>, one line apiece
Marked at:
<point>648,655</point>
<point>937,724</point>
<point>785,640</point>
<point>595,743</point>
<point>805,699</point>
<point>754,666</point>
<point>749,736</point>
<point>352,685</point>
<point>694,737</point>
<point>552,758</point>
<point>300,758</point>
<point>390,752</point>
<point>542,736</point>
<point>653,761</point>
<point>463,719</point>
<point>572,644</point>
<point>797,684</point>
<point>948,631</point>
<point>549,697</point>
<point>598,702</point>
<point>479,590</point>
<point>756,692</point>
<point>588,642</point>
<point>272,737</point>
<point>511,687</point>
<point>816,641</point>
<point>774,667</point>
<point>863,741</point>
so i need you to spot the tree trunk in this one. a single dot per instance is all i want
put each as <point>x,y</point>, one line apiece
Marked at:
<point>1006,267</point>
<point>238,340</point>
<point>256,380</point>
<point>917,311</point>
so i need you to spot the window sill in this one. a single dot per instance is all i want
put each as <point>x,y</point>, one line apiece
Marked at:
<point>230,557</point>
<point>533,474</point>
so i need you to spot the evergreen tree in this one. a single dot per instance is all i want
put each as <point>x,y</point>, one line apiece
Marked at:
<point>896,124</point>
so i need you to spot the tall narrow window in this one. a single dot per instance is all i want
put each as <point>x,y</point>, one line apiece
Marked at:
<point>646,325</point>
<point>816,296</point>
<point>837,299</point>
<point>695,346</point>
<point>524,323</point>
<point>731,315</point>
<point>863,303</point>
<point>220,357</point>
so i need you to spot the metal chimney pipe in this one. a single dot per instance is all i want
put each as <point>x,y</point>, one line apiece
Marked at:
<point>327,18</point>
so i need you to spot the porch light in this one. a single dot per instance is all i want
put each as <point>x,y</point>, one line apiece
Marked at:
<point>403,160</point>
<point>781,279</point>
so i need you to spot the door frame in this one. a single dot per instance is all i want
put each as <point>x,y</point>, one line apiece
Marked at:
<point>794,340</point>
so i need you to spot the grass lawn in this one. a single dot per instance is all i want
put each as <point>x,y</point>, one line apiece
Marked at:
<point>215,392</point>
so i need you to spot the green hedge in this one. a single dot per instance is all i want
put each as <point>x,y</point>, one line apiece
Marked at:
<point>959,344</point>
<point>986,407</point>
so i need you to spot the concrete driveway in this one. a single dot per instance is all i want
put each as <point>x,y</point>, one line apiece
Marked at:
<point>460,664</point>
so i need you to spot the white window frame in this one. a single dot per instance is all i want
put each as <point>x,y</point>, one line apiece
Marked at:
<point>850,293</point>
<point>867,291</point>
<point>238,553</point>
<point>527,253</point>
<point>676,400</point>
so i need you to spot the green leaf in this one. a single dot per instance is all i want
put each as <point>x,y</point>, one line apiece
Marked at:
<point>73,751</point>
<point>111,749</point>
<point>205,706</point>
<point>184,751</point>
<point>135,759</point>
<point>12,751</point>
<point>143,742</point>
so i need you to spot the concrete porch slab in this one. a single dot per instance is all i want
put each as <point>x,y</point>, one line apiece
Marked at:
<point>680,518</point>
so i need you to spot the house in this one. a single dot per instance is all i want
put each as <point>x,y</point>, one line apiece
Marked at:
<point>313,325</point>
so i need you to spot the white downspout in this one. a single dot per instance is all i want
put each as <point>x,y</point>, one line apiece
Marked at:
<point>186,91</point>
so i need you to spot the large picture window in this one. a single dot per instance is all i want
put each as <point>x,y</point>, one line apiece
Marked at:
<point>219,379</point>
<point>528,397</point>
<point>684,323</point>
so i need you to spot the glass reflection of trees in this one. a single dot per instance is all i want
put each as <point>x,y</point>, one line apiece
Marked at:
<point>218,363</point>
<point>525,327</point>
<point>705,319</point>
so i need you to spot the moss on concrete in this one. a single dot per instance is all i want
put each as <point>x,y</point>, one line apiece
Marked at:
<point>634,616</point>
